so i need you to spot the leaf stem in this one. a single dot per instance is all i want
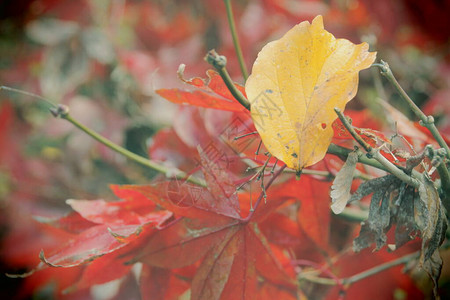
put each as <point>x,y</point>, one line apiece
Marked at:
<point>426,121</point>
<point>62,111</point>
<point>234,35</point>
<point>128,154</point>
<point>375,153</point>
<point>364,274</point>
<point>219,62</point>
<point>6,88</point>
<point>261,195</point>
<point>352,131</point>
<point>380,268</point>
<point>343,152</point>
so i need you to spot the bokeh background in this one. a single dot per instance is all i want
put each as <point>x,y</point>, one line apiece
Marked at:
<point>105,59</point>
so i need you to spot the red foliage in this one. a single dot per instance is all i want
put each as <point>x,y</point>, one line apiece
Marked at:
<point>379,286</point>
<point>171,238</point>
<point>211,93</point>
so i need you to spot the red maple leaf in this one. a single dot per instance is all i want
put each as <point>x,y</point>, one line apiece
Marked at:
<point>209,228</point>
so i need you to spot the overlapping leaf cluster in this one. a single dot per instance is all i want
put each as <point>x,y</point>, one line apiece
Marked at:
<point>177,240</point>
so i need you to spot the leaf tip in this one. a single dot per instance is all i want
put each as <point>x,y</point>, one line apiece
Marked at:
<point>318,20</point>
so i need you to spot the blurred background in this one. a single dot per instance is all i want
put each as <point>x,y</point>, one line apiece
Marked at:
<point>105,59</point>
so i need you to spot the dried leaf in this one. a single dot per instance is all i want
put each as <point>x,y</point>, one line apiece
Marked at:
<point>433,267</point>
<point>433,224</point>
<point>371,186</point>
<point>380,220</point>
<point>406,228</point>
<point>378,223</point>
<point>340,190</point>
<point>296,83</point>
<point>429,196</point>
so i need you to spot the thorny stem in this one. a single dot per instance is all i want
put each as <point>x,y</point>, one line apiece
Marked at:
<point>261,195</point>
<point>364,274</point>
<point>391,168</point>
<point>426,121</point>
<point>235,37</point>
<point>219,62</point>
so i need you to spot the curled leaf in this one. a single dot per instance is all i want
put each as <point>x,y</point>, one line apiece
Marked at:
<point>296,83</point>
<point>433,224</point>
<point>340,190</point>
<point>210,93</point>
<point>381,216</point>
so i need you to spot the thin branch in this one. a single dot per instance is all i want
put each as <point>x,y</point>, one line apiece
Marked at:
<point>6,88</point>
<point>261,195</point>
<point>325,174</point>
<point>399,261</point>
<point>219,62</point>
<point>63,113</point>
<point>391,168</point>
<point>322,269</point>
<point>352,131</point>
<point>343,152</point>
<point>394,170</point>
<point>234,35</point>
<point>370,272</point>
<point>426,121</point>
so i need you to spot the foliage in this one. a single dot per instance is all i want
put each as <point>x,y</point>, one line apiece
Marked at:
<point>215,211</point>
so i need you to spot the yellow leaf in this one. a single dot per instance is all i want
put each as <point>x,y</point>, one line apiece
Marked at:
<point>296,83</point>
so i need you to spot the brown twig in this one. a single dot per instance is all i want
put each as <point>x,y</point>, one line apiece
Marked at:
<point>375,153</point>
<point>426,121</point>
